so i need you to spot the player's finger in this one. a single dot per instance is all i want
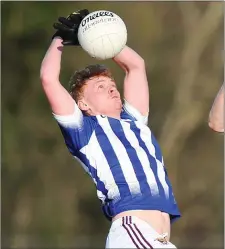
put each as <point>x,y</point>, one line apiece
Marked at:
<point>75,18</point>
<point>62,27</point>
<point>65,21</point>
<point>83,13</point>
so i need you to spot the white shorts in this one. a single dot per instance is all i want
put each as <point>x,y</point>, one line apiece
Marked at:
<point>132,232</point>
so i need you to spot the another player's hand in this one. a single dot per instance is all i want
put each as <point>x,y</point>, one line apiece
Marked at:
<point>67,28</point>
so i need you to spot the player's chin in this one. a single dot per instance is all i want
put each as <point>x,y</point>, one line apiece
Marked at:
<point>118,104</point>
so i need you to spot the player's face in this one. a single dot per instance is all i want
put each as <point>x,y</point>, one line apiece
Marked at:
<point>102,96</point>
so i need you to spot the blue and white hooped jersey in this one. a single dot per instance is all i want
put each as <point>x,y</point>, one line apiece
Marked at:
<point>123,158</point>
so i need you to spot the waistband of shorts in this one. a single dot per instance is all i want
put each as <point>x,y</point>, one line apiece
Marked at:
<point>128,220</point>
<point>140,225</point>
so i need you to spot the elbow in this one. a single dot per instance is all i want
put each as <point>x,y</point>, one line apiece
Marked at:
<point>46,78</point>
<point>140,63</point>
<point>217,127</point>
<point>137,64</point>
<point>47,74</point>
<point>43,76</point>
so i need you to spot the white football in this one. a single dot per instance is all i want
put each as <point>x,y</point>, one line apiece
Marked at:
<point>102,34</point>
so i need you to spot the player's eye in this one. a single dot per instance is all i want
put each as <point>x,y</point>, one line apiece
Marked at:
<point>100,87</point>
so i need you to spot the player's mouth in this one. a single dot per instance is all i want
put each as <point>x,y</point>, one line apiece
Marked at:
<point>115,97</point>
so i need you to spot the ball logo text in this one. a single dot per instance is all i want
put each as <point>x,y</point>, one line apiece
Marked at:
<point>94,16</point>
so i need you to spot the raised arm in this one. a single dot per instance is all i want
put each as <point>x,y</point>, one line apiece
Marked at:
<point>136,90</point>
<point>216,115</point>
<point>60,100</point>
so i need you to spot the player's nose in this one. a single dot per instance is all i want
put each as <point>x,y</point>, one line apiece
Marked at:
<point>111,90</point>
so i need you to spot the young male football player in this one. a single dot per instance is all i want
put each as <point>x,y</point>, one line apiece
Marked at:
<point>111,139</point>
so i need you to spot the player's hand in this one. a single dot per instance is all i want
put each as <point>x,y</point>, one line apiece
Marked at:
<point>67,28</point>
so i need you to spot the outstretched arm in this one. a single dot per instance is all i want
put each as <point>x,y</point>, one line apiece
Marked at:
<point>60,100</point>
<point>136,90</point>
<point>216,115</point>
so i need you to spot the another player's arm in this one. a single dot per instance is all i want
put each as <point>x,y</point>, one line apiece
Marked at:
<point>60,100</point>
<point>216,115</point>
<point>136,90</point>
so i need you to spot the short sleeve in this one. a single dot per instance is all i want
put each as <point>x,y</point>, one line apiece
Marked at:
<point>76,129</point>
<point>130,112</point>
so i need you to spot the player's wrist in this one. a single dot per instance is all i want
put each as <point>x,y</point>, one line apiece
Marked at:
<point>57,40</point>
<point>57,37</point>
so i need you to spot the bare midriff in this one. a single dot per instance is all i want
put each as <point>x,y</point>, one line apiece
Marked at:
<point>158,220</point>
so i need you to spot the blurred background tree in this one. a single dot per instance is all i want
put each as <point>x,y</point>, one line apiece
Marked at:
<point>47,199</point>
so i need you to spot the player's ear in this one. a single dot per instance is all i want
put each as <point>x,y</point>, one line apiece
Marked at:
<point>83,106</point>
